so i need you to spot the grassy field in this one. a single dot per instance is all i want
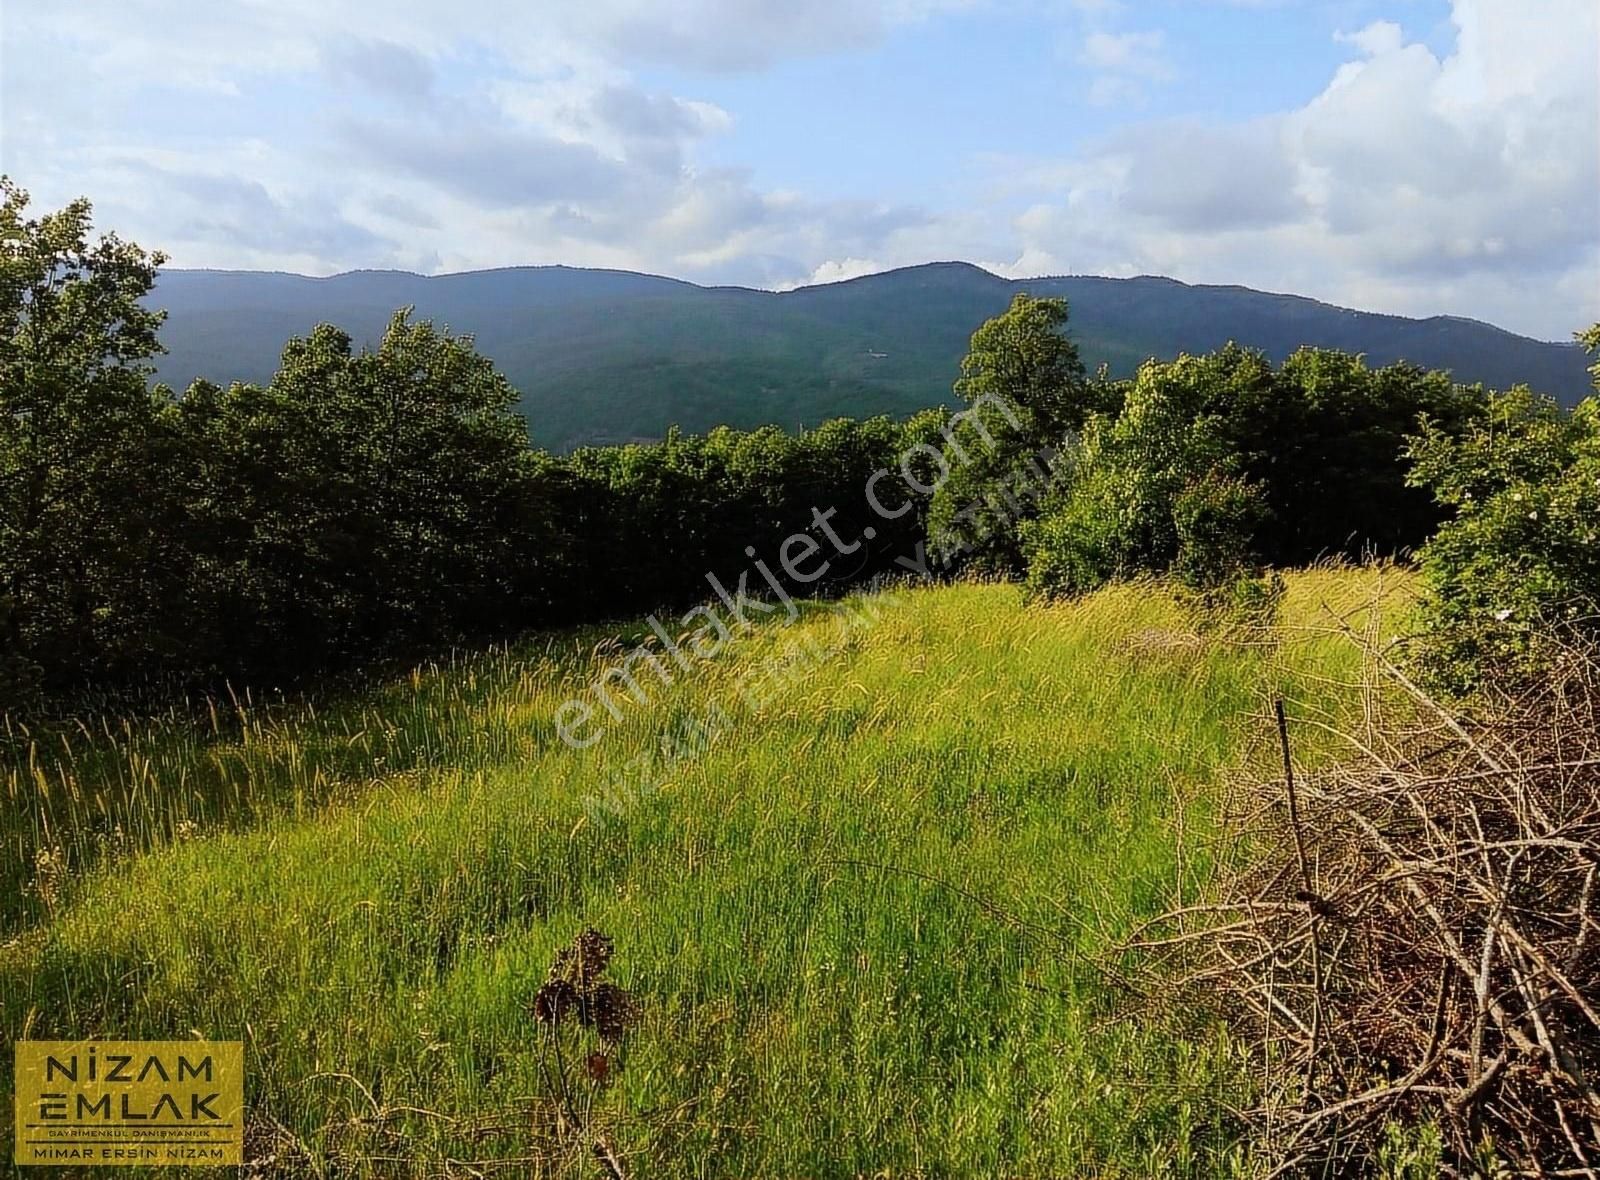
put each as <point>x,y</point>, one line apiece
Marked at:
<point>858,897</point>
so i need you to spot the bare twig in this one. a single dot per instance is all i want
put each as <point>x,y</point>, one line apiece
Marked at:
<point>1442,951</point>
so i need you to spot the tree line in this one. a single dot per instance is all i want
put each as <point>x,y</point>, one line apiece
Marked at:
<point>374,504</point>
<point>362,506</point>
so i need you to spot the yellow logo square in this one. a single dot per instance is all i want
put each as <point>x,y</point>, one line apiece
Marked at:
<point>145,1103</point>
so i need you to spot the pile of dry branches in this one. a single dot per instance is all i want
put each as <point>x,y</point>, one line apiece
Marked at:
<point>1420,942</point>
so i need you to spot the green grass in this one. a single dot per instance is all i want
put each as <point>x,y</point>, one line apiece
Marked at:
<point>861,916</point>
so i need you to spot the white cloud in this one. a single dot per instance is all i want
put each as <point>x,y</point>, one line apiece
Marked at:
<point>1412,183</point>
<point>838,270</point>
<point>395,135</point>
<point>1135,53</point>
<point>207,45</point>
<point>437,138</point>
<point>1378,38</point>
<point>1124,64</point>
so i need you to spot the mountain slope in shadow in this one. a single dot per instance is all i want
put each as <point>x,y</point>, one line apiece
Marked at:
<point>609,356</point>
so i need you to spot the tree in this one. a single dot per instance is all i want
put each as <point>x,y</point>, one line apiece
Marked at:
<point>1117,511</point>
<point>361,504</point>
<point>1026,393</point>
<point>1215,464</point>
<point>85,561</point>
<point>1517,568</point>
<point>1329,450</point>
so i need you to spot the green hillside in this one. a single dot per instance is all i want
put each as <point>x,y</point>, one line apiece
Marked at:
<point>606,356</point>
<point>860,914</point>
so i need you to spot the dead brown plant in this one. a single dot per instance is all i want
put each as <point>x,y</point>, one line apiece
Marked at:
<point>1412,936</point>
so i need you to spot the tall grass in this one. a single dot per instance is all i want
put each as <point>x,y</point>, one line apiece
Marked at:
<point>859,909</point>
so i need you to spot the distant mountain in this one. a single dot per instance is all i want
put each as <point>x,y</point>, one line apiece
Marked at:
<point>608,356</point>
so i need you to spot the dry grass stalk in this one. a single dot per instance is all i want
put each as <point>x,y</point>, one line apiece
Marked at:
<point>1416,938</point>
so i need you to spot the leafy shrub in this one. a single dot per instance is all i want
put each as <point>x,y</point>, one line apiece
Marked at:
<point>1215,519</point>
<point>1216,463</point>
<point>1079,542</point>
<point>1518,568</point>
<point>1117,514</point>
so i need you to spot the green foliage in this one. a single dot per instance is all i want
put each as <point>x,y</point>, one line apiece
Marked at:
<point>85,501</point>
<point>1215,518</point>
<point>374,504</point>
<point>1117,513</point>
<point>1217,464</point>
<point>1081,539</point>
<point>1413,1153</point>
<point>1329,451</point>
<point>359,505</point>
<point>1519,564</point>
<point>1025,391</point>
<point>362,506</point>
<point>1025,360</point>
<point>650,522</point>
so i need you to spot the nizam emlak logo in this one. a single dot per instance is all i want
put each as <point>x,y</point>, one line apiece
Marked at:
<point>129,1102</point>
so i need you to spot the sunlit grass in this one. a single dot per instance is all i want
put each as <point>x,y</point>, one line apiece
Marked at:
<point>860,910</point>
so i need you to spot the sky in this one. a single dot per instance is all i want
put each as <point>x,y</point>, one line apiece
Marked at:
<point>1419,157</point>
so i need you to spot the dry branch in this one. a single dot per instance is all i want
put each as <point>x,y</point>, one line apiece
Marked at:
<point>1417,938</point>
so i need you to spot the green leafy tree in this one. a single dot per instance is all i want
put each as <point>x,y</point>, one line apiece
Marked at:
<point>374,503</point>
<point>1328,447</point>
<point>1026,393</point>
<point>1222,463</point>
<point>86,559</point>
<point>653,520</point>
<point>362,503</point>
<point>1117,512</point>
<point>1517,567</point>
<point>1216,518</point>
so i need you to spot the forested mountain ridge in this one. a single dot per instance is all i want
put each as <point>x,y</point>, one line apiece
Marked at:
<point>610,356</point>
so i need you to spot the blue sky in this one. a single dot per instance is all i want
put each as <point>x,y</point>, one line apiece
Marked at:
<point>894,117</point>
<point>1413,156</point>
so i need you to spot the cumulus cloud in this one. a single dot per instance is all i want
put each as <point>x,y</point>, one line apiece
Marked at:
<point>218,215</point>
<point>496,166</point>
<point>1378,38</point>
<point>838,270</point>
<point>1200,178</point>
<point>1411,183</point>
<point>314,136</point>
